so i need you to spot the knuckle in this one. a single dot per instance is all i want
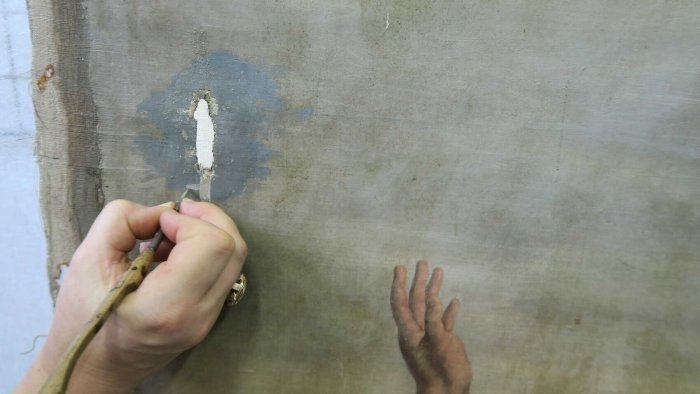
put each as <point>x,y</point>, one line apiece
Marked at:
<point>211,208</point>
<point>242,248</point>
<point>197,335</point>
<point>154,331</point>
<point>221,243</point>
<point>118,205</point>
<point>165,322</point>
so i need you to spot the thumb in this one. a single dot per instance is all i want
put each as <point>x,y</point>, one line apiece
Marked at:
<point>122,222</point>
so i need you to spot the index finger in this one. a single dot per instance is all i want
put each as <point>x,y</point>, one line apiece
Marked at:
<point>399,303</point>
<point>209,213</point>
<point>416,297</point>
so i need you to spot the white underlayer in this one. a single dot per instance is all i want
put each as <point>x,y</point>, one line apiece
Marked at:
<point>205,136</point>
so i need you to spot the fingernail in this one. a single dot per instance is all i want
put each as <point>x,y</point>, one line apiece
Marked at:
<point>168,204</point>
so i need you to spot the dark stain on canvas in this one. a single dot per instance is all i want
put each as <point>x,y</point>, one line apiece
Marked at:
<point>247,101</point>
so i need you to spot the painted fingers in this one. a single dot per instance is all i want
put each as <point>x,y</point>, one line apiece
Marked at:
<point>417,295</point>
<point>421,311</point>
<point>403,316</point>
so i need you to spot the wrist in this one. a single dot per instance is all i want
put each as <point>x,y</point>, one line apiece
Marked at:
<point>101,370</point>
<point>92,373</point>
<point>88,378</point>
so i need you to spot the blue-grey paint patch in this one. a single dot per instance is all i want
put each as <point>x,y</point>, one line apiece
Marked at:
<point>304,113</point>
<point>246,100</point>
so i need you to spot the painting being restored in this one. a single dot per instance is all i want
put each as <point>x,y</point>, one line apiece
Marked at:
<point>544,154</point>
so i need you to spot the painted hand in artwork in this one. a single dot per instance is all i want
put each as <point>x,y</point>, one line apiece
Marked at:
<point>435,356</point>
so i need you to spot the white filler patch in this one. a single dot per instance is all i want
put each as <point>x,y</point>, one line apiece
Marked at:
<point>205,136</point>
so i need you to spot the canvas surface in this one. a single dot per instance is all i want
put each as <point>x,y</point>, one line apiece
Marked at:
<point>545,154</point>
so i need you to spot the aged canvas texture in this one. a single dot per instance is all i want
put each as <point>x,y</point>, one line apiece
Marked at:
<point>545,154</point>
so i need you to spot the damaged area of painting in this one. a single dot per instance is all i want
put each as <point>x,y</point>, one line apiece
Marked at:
<point>204,146</point>
<point>212,119</point>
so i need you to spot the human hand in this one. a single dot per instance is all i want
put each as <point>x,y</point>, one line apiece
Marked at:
<point>173,309</point>
<point>435,356</point>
